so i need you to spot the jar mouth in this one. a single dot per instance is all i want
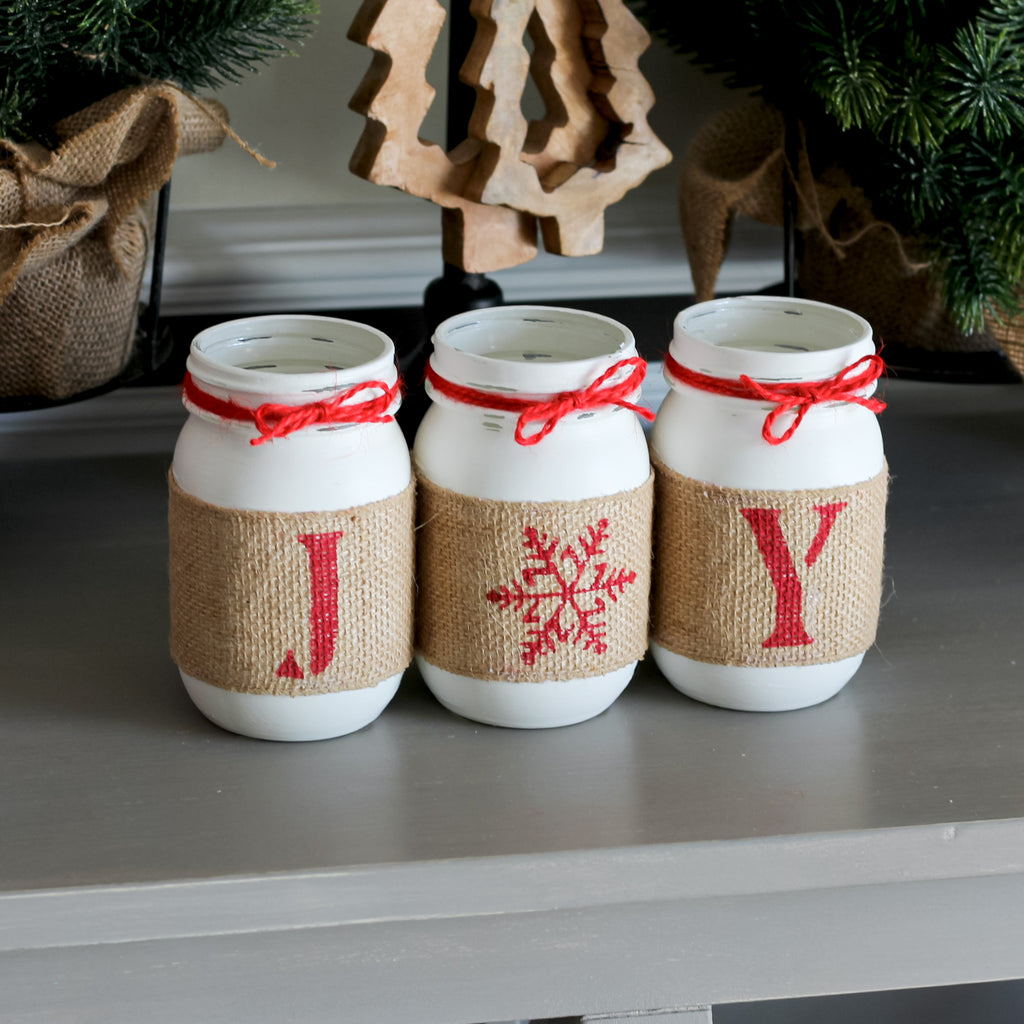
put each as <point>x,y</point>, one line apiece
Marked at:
<point>535,349</point>
<point>291,355</point>
<point>769,338</point>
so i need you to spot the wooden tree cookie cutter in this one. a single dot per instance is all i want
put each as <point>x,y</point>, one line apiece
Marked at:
<point>592,146</point>
<point>395,96</point>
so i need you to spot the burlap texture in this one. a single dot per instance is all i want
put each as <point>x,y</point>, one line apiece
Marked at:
<point>74,234</point>
<point>241,594</point>
<point>713,597</point>
<point>1010,335</point>
<point>736,164</point>
<point>497,601</point>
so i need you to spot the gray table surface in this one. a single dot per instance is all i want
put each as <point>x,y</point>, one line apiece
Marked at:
<point>663,855</point>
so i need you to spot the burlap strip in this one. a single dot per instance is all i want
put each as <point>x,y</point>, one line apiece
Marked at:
<point>716,598</point>
<point>532,591</point>
<point>251,595</point>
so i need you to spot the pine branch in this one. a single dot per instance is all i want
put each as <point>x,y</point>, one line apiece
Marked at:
<point>1005,16</point>
<point>914,111</point>
<point>58,58</point>
<point>920,101</point>
<point>923,181</point>
<point>984,76</point>
<point>976,282</point>
<point>849,72</point>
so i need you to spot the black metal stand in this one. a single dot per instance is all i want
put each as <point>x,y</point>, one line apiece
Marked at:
<point>149,322</point>
<point>455,291</point>
<point>789,206</point>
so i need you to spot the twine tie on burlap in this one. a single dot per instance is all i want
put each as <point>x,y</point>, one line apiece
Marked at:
<point>788,397</point>
<point>273,420</point>
<point>602,392</point>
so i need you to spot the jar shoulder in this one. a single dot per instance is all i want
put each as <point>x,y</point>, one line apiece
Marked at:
<point>468,451</point>
<point>720,441</point>
<point>309,471</point>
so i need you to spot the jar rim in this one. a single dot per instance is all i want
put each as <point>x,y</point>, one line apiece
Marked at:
<point>769,338</point>
<point>268,356</point>
<point>529,349</point>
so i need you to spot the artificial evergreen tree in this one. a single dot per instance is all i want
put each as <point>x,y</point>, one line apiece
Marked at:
<point>57,58</point>
<point>920,101</point>
<point>95,109</point>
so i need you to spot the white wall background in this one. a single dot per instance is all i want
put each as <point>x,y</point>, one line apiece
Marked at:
<point>310,234</point>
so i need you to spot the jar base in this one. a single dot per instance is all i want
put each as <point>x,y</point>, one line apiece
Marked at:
<point>319,716</point>
<point>545,705</point>
<point>755,689</point>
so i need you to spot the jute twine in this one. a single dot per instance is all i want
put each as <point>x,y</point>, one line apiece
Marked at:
<point>736,164</point>
<point>532,591</point>
<point>75,230</point>
<point>243,612</point>
<point>714,599</point>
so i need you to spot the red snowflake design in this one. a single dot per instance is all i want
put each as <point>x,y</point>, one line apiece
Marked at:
<point>563,594</point>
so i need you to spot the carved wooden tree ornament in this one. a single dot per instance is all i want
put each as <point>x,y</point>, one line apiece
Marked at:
<point>591,146</point>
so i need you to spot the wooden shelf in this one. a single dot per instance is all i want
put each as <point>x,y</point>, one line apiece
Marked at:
<point>664,855</point>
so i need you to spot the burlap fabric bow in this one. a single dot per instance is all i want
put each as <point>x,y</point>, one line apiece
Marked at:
<point>74,234</point>
<point>736,164</point>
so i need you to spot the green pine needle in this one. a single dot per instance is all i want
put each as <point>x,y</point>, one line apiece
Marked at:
<point>985,79</point>
<point>914,111</point>
<point>849,72</point>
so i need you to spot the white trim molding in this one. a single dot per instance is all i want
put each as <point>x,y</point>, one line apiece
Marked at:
<point>130,421</point>
<point>303,258</point>
<point>138,421</point>
<point>385,254</point>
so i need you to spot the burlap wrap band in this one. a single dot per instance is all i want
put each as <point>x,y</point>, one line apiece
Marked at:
<point>532,591</point>
<point>291,603</point>
<point>74,234</point>
<point>767,578</point>
<point>736,164</point>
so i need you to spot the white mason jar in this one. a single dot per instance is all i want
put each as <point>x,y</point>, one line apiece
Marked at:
<point>291,551</point>
<point>770,503</point>
<point>534,493</point>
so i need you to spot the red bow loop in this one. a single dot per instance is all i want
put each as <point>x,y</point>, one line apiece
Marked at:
<point>549,412</point>
<point>787,397</point>
<point>595,395</point>
<point>273,420</point>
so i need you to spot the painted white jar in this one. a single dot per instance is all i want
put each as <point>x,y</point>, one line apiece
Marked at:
<point>291,550</point>
<point>534,492</point>
<point>768,546</point>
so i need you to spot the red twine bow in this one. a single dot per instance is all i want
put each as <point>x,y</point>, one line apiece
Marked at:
<point>274,420</point>
<point>843,387</point>
<point>548,413</point>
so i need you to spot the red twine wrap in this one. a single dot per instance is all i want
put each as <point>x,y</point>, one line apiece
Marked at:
<point>843,387</point>
<point>548,412</point>
<point>273,420</point>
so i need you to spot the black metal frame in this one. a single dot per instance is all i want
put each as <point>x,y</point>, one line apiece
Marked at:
<point>457,291</point>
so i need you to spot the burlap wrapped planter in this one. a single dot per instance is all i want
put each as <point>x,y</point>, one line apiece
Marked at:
<point>736,164</point>
<point>75,227</point>
<point>1010,335</point>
